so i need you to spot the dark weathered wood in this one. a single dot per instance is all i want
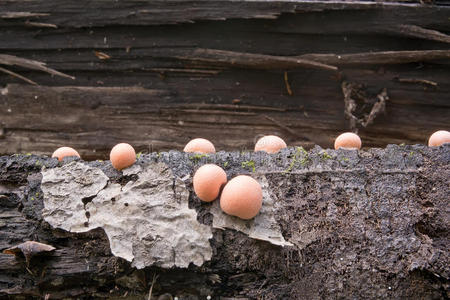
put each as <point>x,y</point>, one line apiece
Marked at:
<point>92,120</point>
<point>85,13</point>
<point>218,69</point>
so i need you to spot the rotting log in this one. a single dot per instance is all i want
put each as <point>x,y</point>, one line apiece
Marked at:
<point>350,224</point>
<point>158,73</point>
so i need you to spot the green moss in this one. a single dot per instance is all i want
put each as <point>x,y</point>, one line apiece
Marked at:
<point>32,198</point>
<point>249,164</point>
<point>225,164</point>
<point>138,155</point>
<point>28,154</point>
<point>300,156</point>
<point>197,157</point>
<point>305,158</point>
<point>37,194</point>
<point>325,156</point>
<point>402,145</point>
<point>411,154</point>
<point>346,159</point>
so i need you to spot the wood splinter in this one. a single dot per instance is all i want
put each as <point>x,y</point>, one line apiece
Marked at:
<point>416,80</point>
<point>288,86</point>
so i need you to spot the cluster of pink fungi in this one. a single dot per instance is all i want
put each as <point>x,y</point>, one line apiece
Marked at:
<point>242,195</point>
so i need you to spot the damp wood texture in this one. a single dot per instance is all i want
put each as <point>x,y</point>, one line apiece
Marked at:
<point>90,74</point>
<point>335,224</point>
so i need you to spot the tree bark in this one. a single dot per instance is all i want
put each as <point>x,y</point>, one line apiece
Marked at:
<point>357,224</point>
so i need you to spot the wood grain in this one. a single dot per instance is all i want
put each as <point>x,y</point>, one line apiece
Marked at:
<point>176,70</point>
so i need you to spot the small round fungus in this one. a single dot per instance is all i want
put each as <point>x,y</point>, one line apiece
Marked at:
<point>347,140</point>
<point>122,156</point>
<point>200,145</point>
<point>62,152</point>
<point>208,181</point>
<point>270,144</point>
<point>439,138</point>
<point>241,197</point>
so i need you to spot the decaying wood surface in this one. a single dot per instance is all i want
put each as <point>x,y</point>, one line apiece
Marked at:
<point>365,225</point>
<point>158,73</point>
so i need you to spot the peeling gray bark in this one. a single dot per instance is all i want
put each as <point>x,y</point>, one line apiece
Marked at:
<point>368,224</point>
<point>147,221</point>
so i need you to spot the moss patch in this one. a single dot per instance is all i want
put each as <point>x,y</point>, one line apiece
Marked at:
<point>300,156</point>
<point>325,156</point>
<point>197,157</point>
<point>250,164</point>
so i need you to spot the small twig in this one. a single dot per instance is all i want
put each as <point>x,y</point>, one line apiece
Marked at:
<point>283,126</point>
<point>29,271</point>
<point>151,287</point>
<point>416,80</point>
<point>288,86</point>
<point>17,75</point>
